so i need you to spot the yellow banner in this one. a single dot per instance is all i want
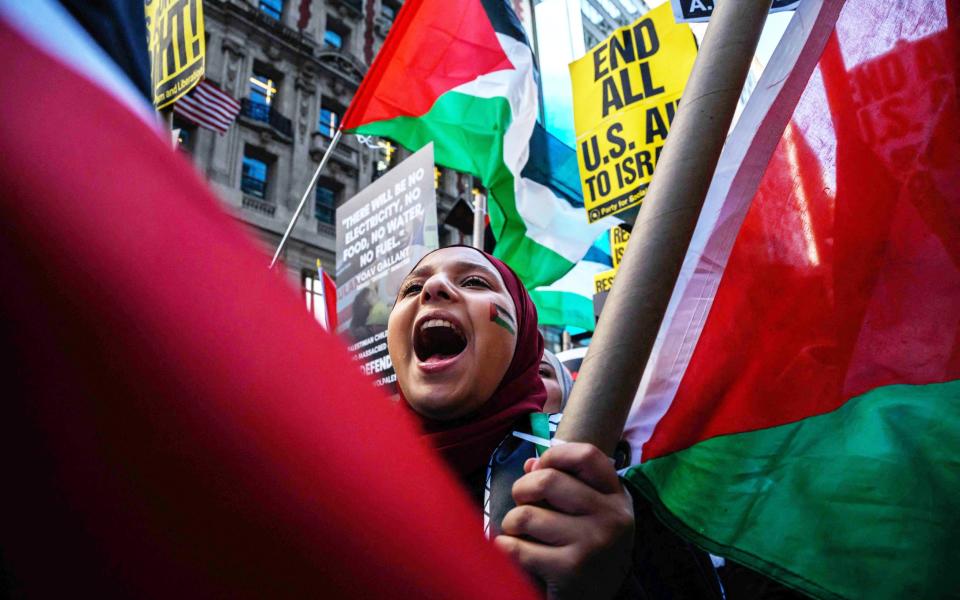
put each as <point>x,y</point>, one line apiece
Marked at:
<point>603,281</point>
<point>625,93</point>
<point>618,244</point>
<point>177,47</point>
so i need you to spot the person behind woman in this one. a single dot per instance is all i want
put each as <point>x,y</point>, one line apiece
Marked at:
<point>557,380</point>
<point>464,343</point>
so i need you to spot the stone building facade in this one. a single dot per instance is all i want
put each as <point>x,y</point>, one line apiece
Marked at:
<point>295,66</point>
<point>295,73</point>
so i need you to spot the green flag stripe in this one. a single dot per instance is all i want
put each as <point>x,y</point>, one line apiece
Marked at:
<point>563,308</point>
<point>467,132</point>
<point>826,503</point>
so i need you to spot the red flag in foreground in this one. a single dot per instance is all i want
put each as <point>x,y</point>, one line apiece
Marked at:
<point>802,415</point>
<point>174,422</point>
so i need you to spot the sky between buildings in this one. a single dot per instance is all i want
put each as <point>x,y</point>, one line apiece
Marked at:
<point>556,51</point>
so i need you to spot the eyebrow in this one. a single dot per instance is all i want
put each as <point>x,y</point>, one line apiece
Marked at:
<point>459,266</point>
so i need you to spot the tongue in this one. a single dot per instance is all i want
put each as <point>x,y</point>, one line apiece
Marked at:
<point>439,357</point>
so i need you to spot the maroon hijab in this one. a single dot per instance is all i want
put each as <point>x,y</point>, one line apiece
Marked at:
<point>466,444</point>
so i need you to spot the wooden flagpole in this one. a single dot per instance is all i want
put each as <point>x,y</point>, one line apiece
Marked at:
<point>625,334</point>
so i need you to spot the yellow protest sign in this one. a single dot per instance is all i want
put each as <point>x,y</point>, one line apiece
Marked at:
<point>618,244</point>
<point>177,47</point>
<point>603,281</point>
<point>625,93</point>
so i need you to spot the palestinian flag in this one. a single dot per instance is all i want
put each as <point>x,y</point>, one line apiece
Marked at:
<point>802,413</point>
<point>568,301</point>
<point>461,74</point>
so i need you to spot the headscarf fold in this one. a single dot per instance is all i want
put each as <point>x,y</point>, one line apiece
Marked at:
<point>467,443</point>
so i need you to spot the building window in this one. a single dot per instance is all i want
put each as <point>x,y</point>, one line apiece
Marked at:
<point>329,120</point>
<point>589,39</point>
<point>388,10</point>
<point>332,39</point>
<point>387,151</point>
<point>325,204</point>
<point>187,134</point>
<point>593,15</point>
<point>254,178</point>
<point>336,34</point>
<point>611,10</point>
<point>272,8</point>
<point>262,89</point>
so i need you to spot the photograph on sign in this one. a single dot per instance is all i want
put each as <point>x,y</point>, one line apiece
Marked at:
<point>382,232</point>
<point>626,91</point>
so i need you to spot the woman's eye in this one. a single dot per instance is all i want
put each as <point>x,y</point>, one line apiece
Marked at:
<point>475,282</point>
<point>411,288</point>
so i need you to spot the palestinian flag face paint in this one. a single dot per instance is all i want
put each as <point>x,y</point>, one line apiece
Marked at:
<point>502,317</point>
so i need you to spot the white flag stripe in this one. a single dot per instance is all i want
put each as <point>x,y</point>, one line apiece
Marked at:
<point>200,109</point>
<point>218,96</point>
<point>217,126</point>
<point>550,220</point>
<point>742,164</point>
<point>212,91</point>
<point>211,109</point>
<point>217,103</point>
<point>208,106</point>
<point>202,120</point>
<point>207,109</point>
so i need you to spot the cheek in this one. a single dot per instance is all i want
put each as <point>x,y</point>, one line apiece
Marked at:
<point>497,349</point>
<point>553,388</point>
<point>397,339</point>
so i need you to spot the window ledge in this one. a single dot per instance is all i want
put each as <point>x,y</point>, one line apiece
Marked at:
<point>258,205</point>
<point>342,153</point>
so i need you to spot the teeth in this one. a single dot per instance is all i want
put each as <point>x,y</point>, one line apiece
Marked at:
<point>440,323</point>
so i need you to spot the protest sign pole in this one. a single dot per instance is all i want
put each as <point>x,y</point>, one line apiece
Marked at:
<point>303,201</point>
<point>628,325</point>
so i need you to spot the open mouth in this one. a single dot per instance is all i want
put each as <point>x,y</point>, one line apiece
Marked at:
<point>438,339</point>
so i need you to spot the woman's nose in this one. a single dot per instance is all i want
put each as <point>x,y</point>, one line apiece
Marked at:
<point>437,287</point>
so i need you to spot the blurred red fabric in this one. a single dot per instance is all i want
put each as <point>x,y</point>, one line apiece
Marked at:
<point>175,423</point>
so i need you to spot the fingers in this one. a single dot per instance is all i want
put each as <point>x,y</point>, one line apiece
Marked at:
<point>585,462</point>
<point>560,490</point>
<point>544,525</point>
<point>547,562</point>
<point>573,523</point>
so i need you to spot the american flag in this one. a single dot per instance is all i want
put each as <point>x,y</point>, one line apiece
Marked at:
<point>208,106</point>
